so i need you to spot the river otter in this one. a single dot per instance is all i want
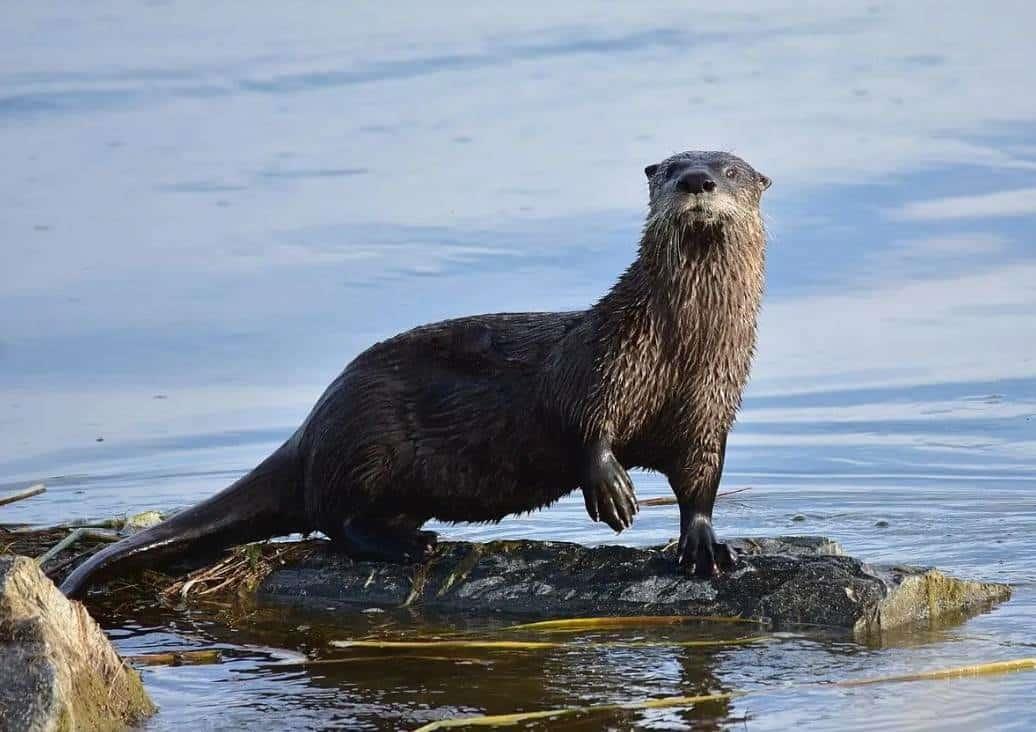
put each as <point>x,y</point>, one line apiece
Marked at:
<point>473,419</point>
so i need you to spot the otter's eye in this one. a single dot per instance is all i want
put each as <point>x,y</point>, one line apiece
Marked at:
<point>730,172</point>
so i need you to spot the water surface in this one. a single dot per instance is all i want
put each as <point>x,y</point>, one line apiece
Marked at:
<point>208,210</point>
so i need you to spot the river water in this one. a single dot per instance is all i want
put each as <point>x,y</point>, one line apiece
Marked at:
<point>207,210</point>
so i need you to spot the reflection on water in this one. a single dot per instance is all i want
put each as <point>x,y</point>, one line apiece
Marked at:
<point>265,650</point>
<point>203,221</point>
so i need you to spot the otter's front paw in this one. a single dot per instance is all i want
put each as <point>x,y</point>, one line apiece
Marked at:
<point>700,553</point>
<point>608,492</point>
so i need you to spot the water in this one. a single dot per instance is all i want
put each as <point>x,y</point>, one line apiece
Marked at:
<point>208,210</point>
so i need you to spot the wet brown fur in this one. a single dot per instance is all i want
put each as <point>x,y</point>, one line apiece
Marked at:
<point>474,419</point>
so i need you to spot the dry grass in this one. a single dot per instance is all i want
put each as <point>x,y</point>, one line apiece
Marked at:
<point>242,571</point>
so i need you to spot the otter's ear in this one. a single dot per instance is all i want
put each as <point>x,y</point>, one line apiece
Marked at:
<point>765,181</point>
<point>650,171</point>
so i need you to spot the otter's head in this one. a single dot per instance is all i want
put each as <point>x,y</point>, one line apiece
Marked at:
<point>704,187</point>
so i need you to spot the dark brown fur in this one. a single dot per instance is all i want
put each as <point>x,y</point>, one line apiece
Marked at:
<point>475,419</point>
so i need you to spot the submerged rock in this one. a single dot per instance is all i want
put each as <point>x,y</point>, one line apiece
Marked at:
<point>58,671</point>
<point>789,581</point>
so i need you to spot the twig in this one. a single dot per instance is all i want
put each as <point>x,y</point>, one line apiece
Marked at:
<point>176,658</point>
<point>32,490</point>
<point>68,541</point>
<point>504,645</point>
<point>579,625</point>
<point>481,644</point>
<point>367,659</point>
<point>657,502</point>
<point>723,494</point>
<point>71,539</point>
<point>89,532</point>
<point>673,501</point>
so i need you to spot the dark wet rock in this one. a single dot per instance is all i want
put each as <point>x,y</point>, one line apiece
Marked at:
<point>789,581</point>
<point>58,671</point>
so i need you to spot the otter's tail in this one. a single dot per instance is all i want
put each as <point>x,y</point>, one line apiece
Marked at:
<point>259,505</point>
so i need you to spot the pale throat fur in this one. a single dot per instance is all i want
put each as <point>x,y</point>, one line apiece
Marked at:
<point>673,340</point>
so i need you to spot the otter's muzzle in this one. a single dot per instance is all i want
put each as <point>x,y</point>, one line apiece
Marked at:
<point>695,182</point>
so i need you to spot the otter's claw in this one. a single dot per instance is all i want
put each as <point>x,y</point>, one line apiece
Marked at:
<point>608,492</point>
<point>700,553</point>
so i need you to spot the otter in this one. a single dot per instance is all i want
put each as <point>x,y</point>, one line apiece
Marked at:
<point>474,419</point>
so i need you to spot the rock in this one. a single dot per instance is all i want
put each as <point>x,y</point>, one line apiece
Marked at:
<point>58,671</point>
<point>789,581</point>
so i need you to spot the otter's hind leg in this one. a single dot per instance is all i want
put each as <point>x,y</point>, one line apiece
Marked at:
<point>397,540</point>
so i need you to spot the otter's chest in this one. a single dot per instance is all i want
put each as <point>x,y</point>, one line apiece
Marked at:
<point>693,379</point>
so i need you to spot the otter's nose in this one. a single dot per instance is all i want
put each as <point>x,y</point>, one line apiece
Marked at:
<point>696,181</point>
